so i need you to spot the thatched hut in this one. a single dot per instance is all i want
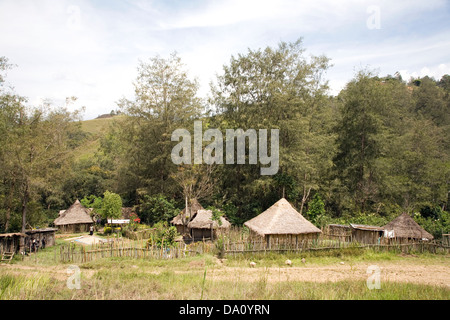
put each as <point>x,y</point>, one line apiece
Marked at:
<point>367,234</point>
<point>75,219</point>
<point>405,229</point>
<point>202,226</point>
<point>181,221</point>
<point>282,224</point>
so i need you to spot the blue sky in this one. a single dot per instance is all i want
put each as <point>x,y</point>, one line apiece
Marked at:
<point>91,49</point>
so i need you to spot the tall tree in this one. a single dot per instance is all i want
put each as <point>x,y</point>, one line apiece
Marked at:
<point>166,99</point>
<point>359,141</point>
<point>276,88</point>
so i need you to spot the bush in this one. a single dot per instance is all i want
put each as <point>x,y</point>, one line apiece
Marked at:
<point>163,236</point>
<point>107,230</point>
<point>156,208</point>
<point>436,223</point>
<point>219,245</point>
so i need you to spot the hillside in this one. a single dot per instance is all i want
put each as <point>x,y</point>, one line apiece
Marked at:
<point>95,129</point>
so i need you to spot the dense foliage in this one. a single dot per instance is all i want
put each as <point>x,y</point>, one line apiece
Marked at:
<point>377,149</point>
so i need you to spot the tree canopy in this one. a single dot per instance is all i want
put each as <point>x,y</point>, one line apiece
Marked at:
<point>378,148</point>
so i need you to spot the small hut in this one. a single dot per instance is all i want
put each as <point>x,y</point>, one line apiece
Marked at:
<point>44,237</point>
<point>405,229</point>
<point>10,242</point>
<point>282,224</point>
<point>367,234</point>
<point>75,219</point>
<point>182,220</point>
<point>338,232</point>
<point>202,226</point>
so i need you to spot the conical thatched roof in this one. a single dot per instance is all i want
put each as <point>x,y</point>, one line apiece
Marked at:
<point>404,226</point>
<point>76,214</point>
<point>195,206</point>
<point>281,218</point>
<point>203,220</point>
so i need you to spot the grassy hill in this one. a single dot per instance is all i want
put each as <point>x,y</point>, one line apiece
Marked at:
<point>95,129</point>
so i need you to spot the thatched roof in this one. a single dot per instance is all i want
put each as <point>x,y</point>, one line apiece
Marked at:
<point>203,220</point>
<point>404,226</point>
<point>281,218</point>
<point>76,214</point>
<point>126,212</point>
<point>195,206</point>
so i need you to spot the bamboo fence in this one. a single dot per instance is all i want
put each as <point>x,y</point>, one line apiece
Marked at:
<point>128,248</point>
<point>140,250</point>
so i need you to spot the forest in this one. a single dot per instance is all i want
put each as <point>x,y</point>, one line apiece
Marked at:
<point>377,149</point>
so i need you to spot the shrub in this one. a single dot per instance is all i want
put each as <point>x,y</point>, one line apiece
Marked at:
<point>156,208</point>
<point>163,236</point>
<point>107,230</point>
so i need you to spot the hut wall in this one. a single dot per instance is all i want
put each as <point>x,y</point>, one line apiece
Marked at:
<point>9,244</point>
<point>75,228</point>
<point>276,240</point>
<point>402,240</point>
<point>49,237</point>
<point>446,239</point>
<point>337,232</point>
<point>367,236</point>
<point>200,234</point>
<point>291,240</point>
<point>181,229</point>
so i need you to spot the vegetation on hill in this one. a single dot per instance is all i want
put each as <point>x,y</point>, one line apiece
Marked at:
<point>377,149</point>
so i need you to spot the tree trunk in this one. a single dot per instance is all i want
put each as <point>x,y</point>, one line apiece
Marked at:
<point>8,206</point>
<point>24,216</point>
<point>304,198</point>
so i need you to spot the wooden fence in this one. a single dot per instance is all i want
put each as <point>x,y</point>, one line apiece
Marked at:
<point>127,248</point>
<point>139,250</point>
<point>318,245</point>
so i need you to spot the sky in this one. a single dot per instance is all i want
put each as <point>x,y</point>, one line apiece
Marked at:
<point>90,49</point>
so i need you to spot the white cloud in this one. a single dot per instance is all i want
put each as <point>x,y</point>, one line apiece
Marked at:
<point>90,49</point>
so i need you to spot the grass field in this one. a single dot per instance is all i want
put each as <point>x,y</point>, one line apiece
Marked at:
<point>341,277</point>
<point>96,129</point>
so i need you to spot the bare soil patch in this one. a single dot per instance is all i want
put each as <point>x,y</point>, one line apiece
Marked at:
<point>398,271</point>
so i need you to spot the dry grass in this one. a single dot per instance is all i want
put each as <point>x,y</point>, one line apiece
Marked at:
<point>207,277</point>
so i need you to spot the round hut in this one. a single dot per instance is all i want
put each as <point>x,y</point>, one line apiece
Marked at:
<point>202,226</point>
<point>75,219</point>
<point>282,224</point>
<point>181,221</point>
<point>405,229</point>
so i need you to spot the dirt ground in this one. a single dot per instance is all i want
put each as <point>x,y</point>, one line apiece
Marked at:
<point>437,275</point>
<point>87,240</point>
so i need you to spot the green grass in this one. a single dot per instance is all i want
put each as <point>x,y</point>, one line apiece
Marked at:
<point>347,255</point>
<point>113,284</point>
<point>96,129</point>
<point>202,277</point>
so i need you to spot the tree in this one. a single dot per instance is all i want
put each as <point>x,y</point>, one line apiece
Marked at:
<point>197,182</point>
<point>316,208</point>
<point>165,100</point>
<point>34,153</point>
<point>360,137</point>
<point>153,209</point>
<point>276,88</point>
<point>111,206</point>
